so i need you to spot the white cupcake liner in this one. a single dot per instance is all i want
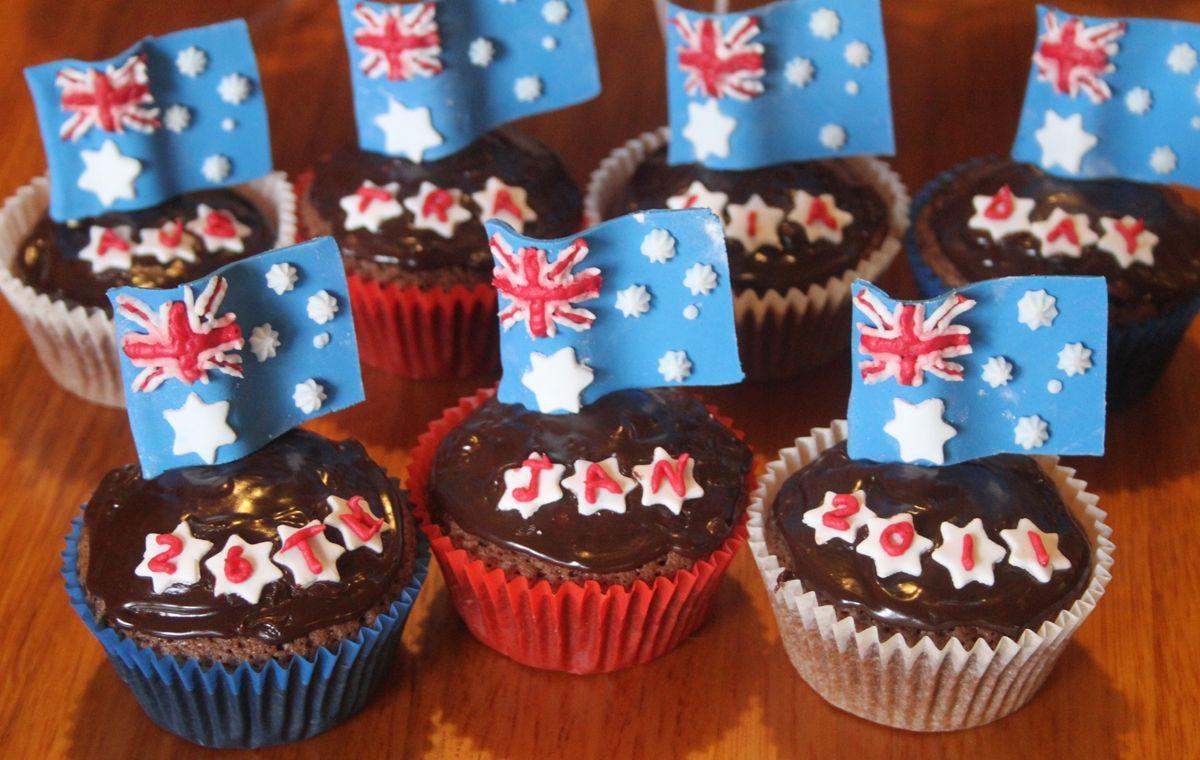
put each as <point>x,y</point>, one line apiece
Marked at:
<point>781,333</point>
<point>918,687</point>
<point>76,343</point>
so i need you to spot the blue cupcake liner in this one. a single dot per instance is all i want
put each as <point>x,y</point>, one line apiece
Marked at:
<point>1137,354</point>
<point>251,706</point>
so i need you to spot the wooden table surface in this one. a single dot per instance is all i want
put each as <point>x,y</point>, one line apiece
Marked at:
<point>1126,686</point>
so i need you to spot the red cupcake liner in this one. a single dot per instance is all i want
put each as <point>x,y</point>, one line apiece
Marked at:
<point>578,628</point>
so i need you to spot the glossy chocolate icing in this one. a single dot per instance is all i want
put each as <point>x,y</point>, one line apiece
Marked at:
<point>999,489</point>
<point>1135,293</point>
<point>285,482</point>
<point>514,157</point>
<point>468,479</point>
<point>799,263</point>
<point>49,258</point>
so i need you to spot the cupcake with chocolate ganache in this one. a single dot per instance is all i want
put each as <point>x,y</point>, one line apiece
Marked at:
<point>303,552</point>
<point>903,591</point>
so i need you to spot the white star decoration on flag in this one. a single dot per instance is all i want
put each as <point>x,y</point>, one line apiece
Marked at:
<point>839,515</point>
<point>557,381</point>
<point>1033,550</point>
<point>1138,101</point>
<point>754,224</point>
<point>318,563</point>
<point>234,89</point>
<point>216,168</point>
<point>997,371</point>
<point>166,243</point>
<point>242,568</point>
<point>1182,58</point>
<point>799,72</point>
<point>602,488</point>
<point>658,246</point>
<point>633,301</point>
<point>191,62</point>
<point>824,24</point>
<point>700,279</point>
<point>264,342</point>
<point>109,174</point>
<point>1163,160</point>
<point>920,430</point>
<point>370,206</point>
<point>894,545</point>
<point>108,248</point>
<point>699,196</point>
<point>407,132</point>
<point>709,130</point>
<point>309,396</point>
<point>1128,240</point>
<point>528,88</point>
<point>968,554</point>
<point>1064,142</point>
<point>200,428</point>
<point>356,522</point>
<point>532,485</point>
<point>1031,432</point>
<point>1036,309</point>
<point>508,203</point>
<point>674,366</point>
<point>437,209</point>
<point>172,558</point>
<point>832,136</point>
<point>1075,359</point>
<point>322,307</point>
<point>676,480</point>
<point>281,278</point>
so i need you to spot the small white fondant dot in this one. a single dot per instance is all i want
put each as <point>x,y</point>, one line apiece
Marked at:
<point>691,311</point>
<point>1054,386</point>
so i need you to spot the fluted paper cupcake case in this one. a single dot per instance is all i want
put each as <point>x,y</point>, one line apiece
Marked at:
<point>75,343</point>
<point>780,334</point>
<point>919,687</point>
<point>1138,354</point>
<point>578,627</point>
<point>252,706</point>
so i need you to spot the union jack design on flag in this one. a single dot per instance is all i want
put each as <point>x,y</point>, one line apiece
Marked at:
<point>397,44</point>
<point>718,63</point>
<point>543,294</point>
<point>111,100</point>
<point>184,340</point>
<point>905,344</point>
<point>1072,56</point>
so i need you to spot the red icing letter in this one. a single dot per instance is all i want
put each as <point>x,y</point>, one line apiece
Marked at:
<point>528,493</point>
<point>505,203</point>
<point>219,224</point>
<point>299,540</point>
<point>1066,228</point>
<point>596,479</point>
<point>1039,549</point>
<point>438,204</point>
<point>161,563</point>
<point>896,538</point>
<point>111,241</point>
<point>171,233</point>
<point>368,195</point>
<point>360,520</point>
<point>1001,205</point>
<point>1129,233</point>
<point>844,505</point>
<point>819,212</point>
<point>968,553</point>
<point>672,472</point>
<point>237,568</point>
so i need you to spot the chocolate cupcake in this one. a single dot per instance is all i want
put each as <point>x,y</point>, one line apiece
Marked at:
<point>797,233</point>
<point>415,249</point>
<point>282,580</point>
<point>612,525</point>
<point>936,586</point>
<point>995,217</point>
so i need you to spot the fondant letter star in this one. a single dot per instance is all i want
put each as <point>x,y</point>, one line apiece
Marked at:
<point>172,558</point>
<point>200,428</point>
<point>356,522</point>
<point>839,515</point>
<point>708,130</point>
<point>754,224</point>
<point>109,174</point>
<point>242,568</point>
<point>968,554</point>
<point>1064,141</point>
<point>407,131</point>
<point>557,380</point>
<point>599,485</point>
<point>308,554</point>
<point>532,485</point>
<point>895,545</point>
<point>668,480</point>
<point>1033,550</point>
<point>920,429</point>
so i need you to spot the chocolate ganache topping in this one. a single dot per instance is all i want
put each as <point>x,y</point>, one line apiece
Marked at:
<point>468,479</point>
<point>511,156</point>
<point>799,263</point>
<point>49,258</point>
<point>999,489</point>
<point>960,254</point>
<point>286,482</point>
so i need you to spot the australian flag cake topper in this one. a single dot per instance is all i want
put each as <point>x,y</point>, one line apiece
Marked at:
<point>216,369</point>
<point>639,301</point>
<point>789,81</point>
<point>429,78</point>
<point>1010,365</point>
<point>1113,98</point>
<point>170,115</point>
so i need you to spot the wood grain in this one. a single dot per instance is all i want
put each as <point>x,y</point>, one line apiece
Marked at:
<point>1125,687</point>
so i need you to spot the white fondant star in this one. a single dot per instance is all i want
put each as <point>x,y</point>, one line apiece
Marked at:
<point>1163,160</point>
<point>177,118</point>
<point>700,279</point>
<point>674,366</point>
<point>1182,58</point>
<point>1138,101</point>
<point>309,396</point>
<point>264,341</point>
<point>281,278</point>
<point>824,24</point>
<point>1031,432</point>
<point>242,568</point>
<point>799,72</point>
<point>708,130</point>
<point>319,563</point>
<point>839,515</point>
<point>1063,233</point>
<point>322,307</point>
<point>920,429</point>
<point>109,174</point>
<point>819,216</point>
<point>970,561</point>
<point>218,229</point>
<point>166,243</point>
<point>857,54</point>
<point>175,559</point>
<point>676,480</point>
<point>1033,550</point>
<point>216,168</point>
<point>407,131</point>
<point>528,88</point>
<point>1128,240</point>
<point>698,196</point>
<point>659,245</point>
<point>558,380</point>
<point>108,248</point>
<point>832,136</point>
<point>191,62</point>
<point>234,89</point>
<point>754,224</point>
<point>633,301</point>
<point>370,206</point>
<point>997,371</point>
<point>200,428</point>
<point>437,209</point>
<point>989,217</point>
<point>608,486</point>
<point>532,485</point>
<point>356,522</point>
<point>1036,309</point>
<point>1064,141</point>
<point>481,52</point>
<point>1075,359</point>
<point>509,203</point>
<point>895,545</point>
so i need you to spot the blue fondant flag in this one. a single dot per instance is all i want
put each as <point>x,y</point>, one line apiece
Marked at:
<point>789,81</point>
<point>170,115</point>
<point>429,78</point>
<point>1010,365</point>
<point>216,369</point>
<point>1113,98</point>
<point>639,301</point>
